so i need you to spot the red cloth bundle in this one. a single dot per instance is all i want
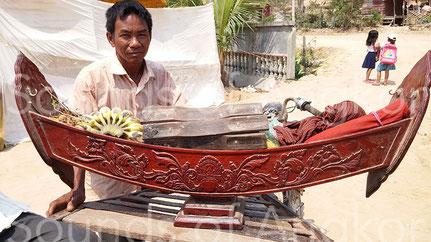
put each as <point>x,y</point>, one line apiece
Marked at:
<point>298,132</point>
<point>391,113</point>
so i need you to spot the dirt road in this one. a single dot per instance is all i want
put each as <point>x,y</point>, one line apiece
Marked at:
<point>399,211</point>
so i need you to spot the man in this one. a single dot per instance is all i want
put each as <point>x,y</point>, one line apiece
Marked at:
<point>127,81</point>
<point>17,224</point>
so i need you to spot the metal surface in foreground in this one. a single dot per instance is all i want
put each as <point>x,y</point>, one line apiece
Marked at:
<point>148,215</point>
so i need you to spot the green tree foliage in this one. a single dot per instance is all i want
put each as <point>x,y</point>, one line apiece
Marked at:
<point>230,18</point>
<point>313,17</point>
<point>306,60</point>
<point>186,3</point>
<point>373,18</point>
<point>345,13</point>
<point>332,13</point>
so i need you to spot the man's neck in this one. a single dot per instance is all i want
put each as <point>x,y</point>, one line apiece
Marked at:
<point>134,71</point>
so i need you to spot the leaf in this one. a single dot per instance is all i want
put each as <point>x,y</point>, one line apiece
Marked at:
<point>143,159</point>
<point>257,181</point>
<point>294,154</point>
<point>124,159</point>
<point>352,161</point>
<point>78,155</point>
<point>254,161</point>
<point>166,159</point>
<point>162,179</point>
<point>232,166</point>
<point>296,164</point>
<point>230,17</point>
<point>124,148</point>
<point>186,166</point>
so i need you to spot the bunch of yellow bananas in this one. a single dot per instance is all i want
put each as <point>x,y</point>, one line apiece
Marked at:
<point>115,122</point>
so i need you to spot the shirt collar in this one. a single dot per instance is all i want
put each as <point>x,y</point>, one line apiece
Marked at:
<point>118,69</point>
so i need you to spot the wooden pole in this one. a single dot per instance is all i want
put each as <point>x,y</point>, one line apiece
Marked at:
<point>394,11</point>
<point>304,50</point>
<point>293,10</point>
<point>320,17</point>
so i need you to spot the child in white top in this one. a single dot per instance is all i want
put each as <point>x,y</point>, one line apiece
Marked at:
<point>372,56</point>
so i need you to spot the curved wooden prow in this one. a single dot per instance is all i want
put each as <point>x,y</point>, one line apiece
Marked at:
<point>414,90</point>
<point>32,93</point>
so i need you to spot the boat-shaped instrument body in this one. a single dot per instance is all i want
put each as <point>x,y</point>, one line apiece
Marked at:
<point>378,150</point>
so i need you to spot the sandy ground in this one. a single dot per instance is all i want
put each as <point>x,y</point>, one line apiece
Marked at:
<point>399,211</point>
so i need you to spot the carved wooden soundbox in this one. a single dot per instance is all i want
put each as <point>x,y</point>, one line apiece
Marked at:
<point>221,172</point>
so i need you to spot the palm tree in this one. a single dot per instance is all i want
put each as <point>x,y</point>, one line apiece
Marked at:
<point>230,18</point>
<point>186,3</point>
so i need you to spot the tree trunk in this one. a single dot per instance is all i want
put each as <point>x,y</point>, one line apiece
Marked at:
<point>223,74</point>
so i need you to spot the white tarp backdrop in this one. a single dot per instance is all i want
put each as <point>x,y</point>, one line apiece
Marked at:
<point>63,36</point>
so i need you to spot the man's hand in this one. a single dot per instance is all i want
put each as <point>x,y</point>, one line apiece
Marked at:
<point>72,199</point>
<point>68,201</point>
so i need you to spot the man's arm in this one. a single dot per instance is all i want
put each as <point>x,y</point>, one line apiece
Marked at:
<point>378,48</point>
<point>73,198</point>
<point>84,102</point>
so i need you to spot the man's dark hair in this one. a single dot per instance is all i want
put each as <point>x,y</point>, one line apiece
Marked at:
<point>123,9</point>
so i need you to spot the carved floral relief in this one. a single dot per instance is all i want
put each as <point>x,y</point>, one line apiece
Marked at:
<point>209,174</point>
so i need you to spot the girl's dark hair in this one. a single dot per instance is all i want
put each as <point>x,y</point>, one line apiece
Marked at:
<point>123,9</point>
<point>372,37</point>
<point>391,41</point>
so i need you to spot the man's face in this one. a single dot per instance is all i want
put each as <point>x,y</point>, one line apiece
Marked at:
<point>131,39</point>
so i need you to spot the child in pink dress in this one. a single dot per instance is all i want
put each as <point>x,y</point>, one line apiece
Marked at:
<point>384,66</point>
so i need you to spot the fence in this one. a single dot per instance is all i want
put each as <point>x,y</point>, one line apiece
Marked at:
<point>416,17</point>
<point>256,63</point>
